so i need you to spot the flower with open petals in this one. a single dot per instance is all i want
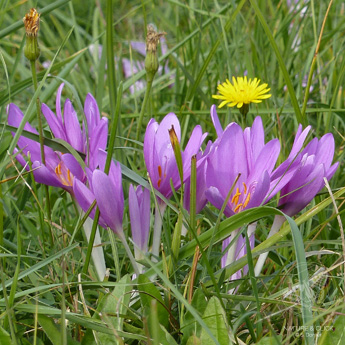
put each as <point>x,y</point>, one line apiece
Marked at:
<point>241,154</point>
<point>89,139</point>
<point>312,165</point>
<point>241,92</point>
<point>59,170</point>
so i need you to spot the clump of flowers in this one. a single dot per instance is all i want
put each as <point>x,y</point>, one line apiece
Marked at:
<point>241,92</point>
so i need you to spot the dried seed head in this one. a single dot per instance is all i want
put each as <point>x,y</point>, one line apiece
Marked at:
<point>152,38</point>
<point>32,22</point>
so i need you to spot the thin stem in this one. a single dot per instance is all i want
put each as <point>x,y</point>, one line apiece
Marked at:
<point>157,231</point>
<point>41,139</point>
<point>277,223</point>
<point>39,118</point>
<point>143,108</point>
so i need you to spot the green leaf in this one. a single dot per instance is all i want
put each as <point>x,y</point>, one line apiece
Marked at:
<point>110,306</point>
<point>334,334</point>
<point>53,331</point>
<point>189,325</point>
<point>149,292</point>
<point>270,341</point>
<point>5,338</point>
<point>215,319</point>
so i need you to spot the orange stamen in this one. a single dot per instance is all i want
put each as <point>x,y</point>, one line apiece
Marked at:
<point>246,201</point>
<point>236,197</point>
<point>245,188</point>
<point>237,207</point>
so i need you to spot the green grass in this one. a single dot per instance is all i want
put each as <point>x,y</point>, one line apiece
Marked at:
<point>48,295</point>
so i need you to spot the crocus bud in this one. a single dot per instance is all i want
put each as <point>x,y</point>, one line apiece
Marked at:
<point>151,60</point>
<point>32,24</point>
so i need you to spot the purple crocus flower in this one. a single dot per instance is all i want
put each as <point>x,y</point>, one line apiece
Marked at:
<point>88,140</point>
<point>161,163</point>
<point>59,170</point>
<point>307,169</point>
<point>106,190</point>
<point>159,154</point>
<point>242,153</point>
<point>313,164</point>
<point>139,212</point>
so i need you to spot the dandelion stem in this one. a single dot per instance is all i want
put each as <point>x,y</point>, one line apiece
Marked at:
<point>41,139</point>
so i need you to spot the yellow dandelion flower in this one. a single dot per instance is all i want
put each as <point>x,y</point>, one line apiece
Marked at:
<point>241,92</point>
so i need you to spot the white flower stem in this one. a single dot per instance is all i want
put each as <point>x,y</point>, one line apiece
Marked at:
<point>130,255</point>
<point>97,250</point>
<point>277,223</point>
<point>157,230</point>
<point>232,250</point>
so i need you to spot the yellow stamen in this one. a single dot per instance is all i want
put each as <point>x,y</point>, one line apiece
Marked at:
<point>236,197</point>
<point>245,188</point>
<point>237,207</point>
<point>246,201</point>
<point>62,176</point>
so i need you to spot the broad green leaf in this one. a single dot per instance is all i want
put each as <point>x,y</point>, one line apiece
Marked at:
<point>53,331</point>
<point>149,292</point>
<point>335,334</point>
<point>5,338</point>
<point>215,319</point>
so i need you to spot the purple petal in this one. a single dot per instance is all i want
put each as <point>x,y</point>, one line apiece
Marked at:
<point>299,141</point>
<point>330,172</point>
<point>149,151</point>
<point>73,165</point>
<point>134,213</point>
<point>85,198</point>
<point>325,150</point>
<point>91,112</point>
<point>258,190</point>
<point>108,201</point>
<point>215,120</point>
<point>55,126</point>
<point>43,175</point>
<point>140,47</point>
<point>73,130</point>
<point>58,103</point>
<point>15,117</point>
<point>216,199</point>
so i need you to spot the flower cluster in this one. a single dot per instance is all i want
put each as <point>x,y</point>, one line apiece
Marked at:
<point>237,171</point>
